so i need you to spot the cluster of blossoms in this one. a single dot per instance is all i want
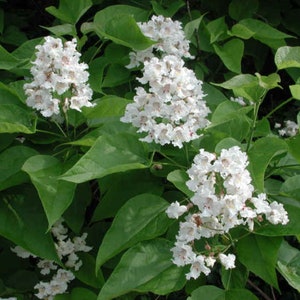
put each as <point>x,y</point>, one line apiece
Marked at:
<point>171,109</point>
<point>290,129</point>
<point>59,80</point>
<point>66,250</point>
<point>223,199</point>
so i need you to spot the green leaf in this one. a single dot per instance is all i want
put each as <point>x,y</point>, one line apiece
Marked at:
<point>231,54</point>
<point>22,221</point>
<point>234,278</point>
<point>208,292</point>
<point>264,261</point>
<point>294,144</point>
<point>239,10</point>
<point>227,143</point>
<point>287,57</point>
<point>260,31</point>
<point>141,218</point>
<point>289,264</point>
<point>110,154</point>
<point>16,119</point>
<point>172,8</point>
<point>60,30</point>
<point>108,108</point>
<point>78,293</point>
<point>70,11</point>
<point>111,80</point>
<point>179,179</point>
<point>56,195</point>
<point>86,273</point>
<point>292,206</point>
<point>239,81</point>
<point>117,23</point>
<point>230,118</point>
<point>9,61</point>
<point>217,29</point>
<point>260,155</point>
<point>295,91</point>
<point>112,200</point>
<point>11,161</point>
<point>192,26</point>
<point>144,265</point>
<point>268,82</point>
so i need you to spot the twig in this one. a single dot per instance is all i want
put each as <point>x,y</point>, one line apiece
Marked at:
<point>264,295</point>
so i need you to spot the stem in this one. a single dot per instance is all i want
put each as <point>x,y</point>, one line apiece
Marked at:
<point>172,161</point>
<point>48,132</point>
<point>279,106</point>
<point>196,31</point>
<point>262,293</point>
<point>60,129</point>
<point>96,52</point>
<point>255,115</point>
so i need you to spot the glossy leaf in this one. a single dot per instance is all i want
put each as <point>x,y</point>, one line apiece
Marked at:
<point>295,91</point>
<point>289,264</point>
<point>260,155</point>
<point>110,154</point>
<point>70,11</point>
<point>9,61</point>
<point>217,30</point>
<point>22,221</point>
<point>239,10</point>
<point>287,57</point>
<point>118,23</point>
<point>268,82</point>
<point>78,293</point>
<point>144,265</point>
<point>231,54</point>
<point>172,8</point>
<point>112,200</point>
<point>86,273</point>
<point>141,218</point>
<point>210,292</point>
<point>264,261</point>
<point>11,161</point>
<point>16,119</point>
<point>191,27</point>
<point>179,179</point>
<point>108,108</point>
<point>56,195</point>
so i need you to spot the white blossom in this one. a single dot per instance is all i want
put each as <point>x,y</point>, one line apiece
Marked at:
<point>223,199</point>
<point>175,210</point>
<point>59,79</point>
<point>228,261</point>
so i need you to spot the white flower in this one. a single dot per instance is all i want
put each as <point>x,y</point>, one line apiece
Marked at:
<point>46,266</point>
<point>223,199</point>
<point>21,252</point>
<point>197,267</point>
<point>291,128</point>
<point>278,214</point>
<point>228,261</point>
<point>175,210</point>
<point>169,37</point>
<point>55,71</point>
<point>173,109</point>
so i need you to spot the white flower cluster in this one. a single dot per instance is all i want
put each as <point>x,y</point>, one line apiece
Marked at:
<point>290,129</point>
<point>59,80</point>
<point>223,198</point>
<point>171,109</point>
<point>66,250</point>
